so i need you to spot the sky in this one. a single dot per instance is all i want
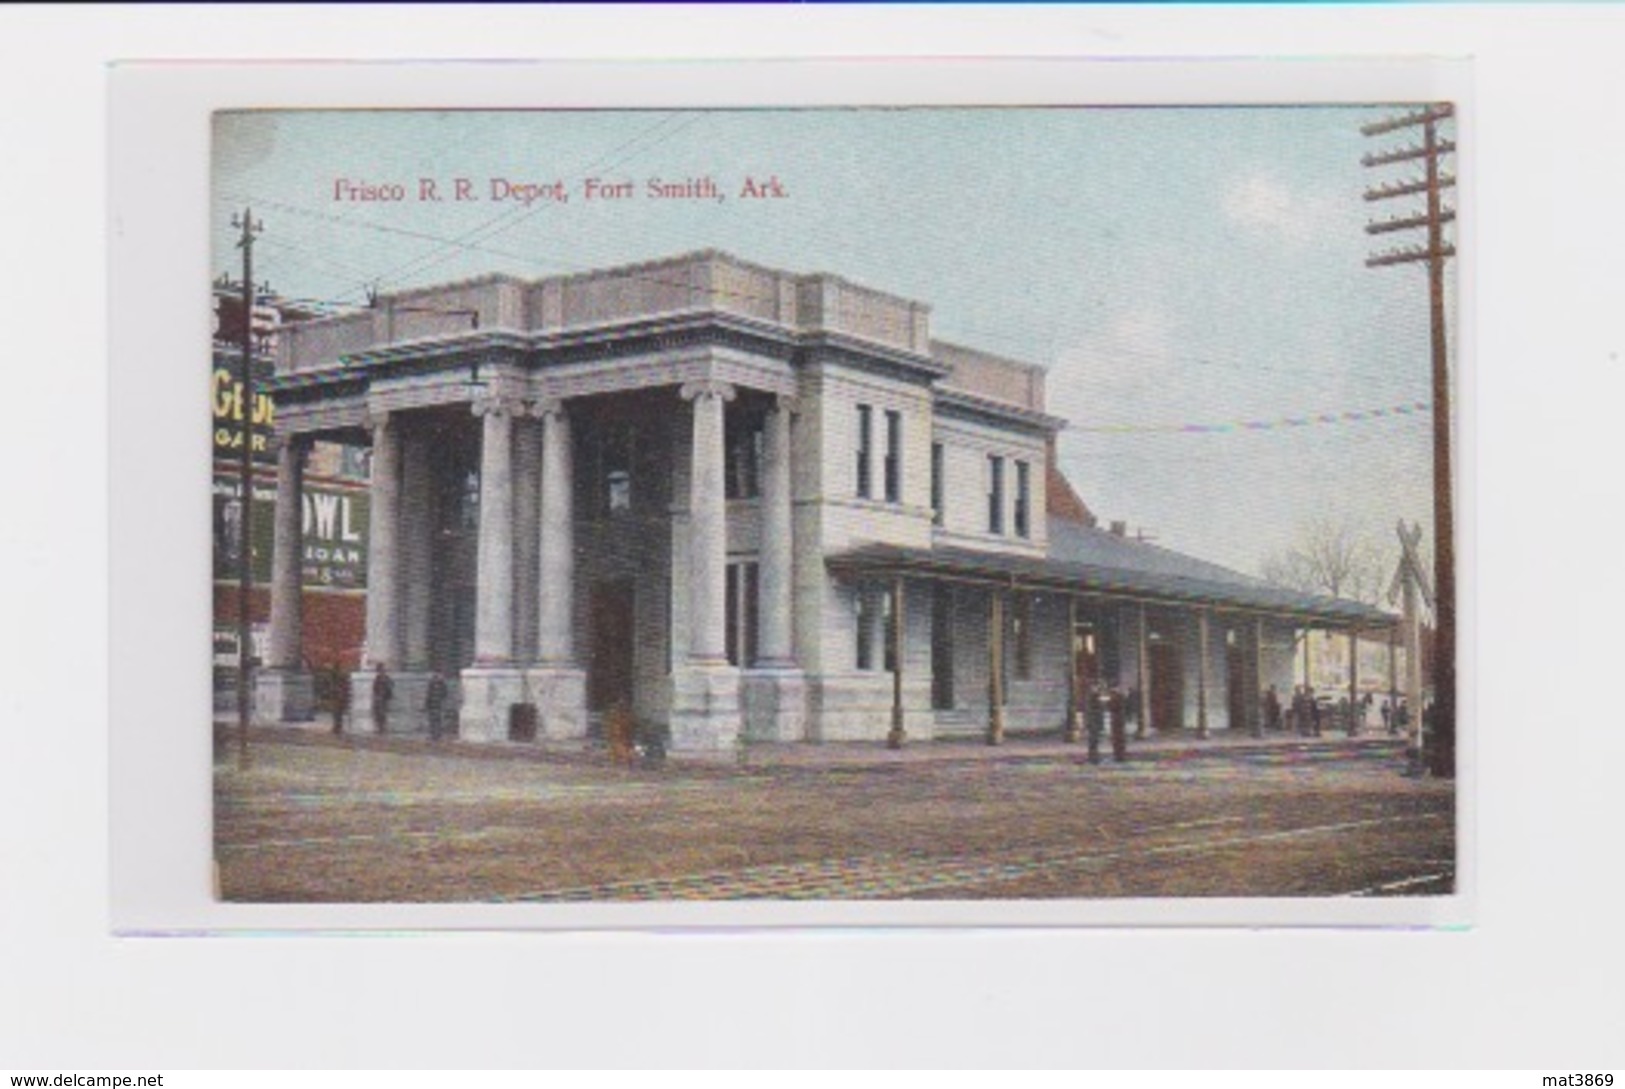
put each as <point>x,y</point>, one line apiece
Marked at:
<point>1181,273</point>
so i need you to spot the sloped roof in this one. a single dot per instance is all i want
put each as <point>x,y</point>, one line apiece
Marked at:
<point>1083,559</point>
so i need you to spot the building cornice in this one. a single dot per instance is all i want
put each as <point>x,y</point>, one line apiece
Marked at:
<point>962,405</point>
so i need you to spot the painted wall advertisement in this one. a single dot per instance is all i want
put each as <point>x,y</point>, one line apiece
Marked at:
<point>335,533</point>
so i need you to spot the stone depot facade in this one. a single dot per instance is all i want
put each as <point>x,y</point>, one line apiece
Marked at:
<point>743,504</point>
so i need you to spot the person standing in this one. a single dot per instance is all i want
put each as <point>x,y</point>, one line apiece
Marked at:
<point>1094,710</point>
<point>435,703</point>
<point>1119,713</point>
<point>383,690</point>
<point>1272,709</point>
<point>340,696</point>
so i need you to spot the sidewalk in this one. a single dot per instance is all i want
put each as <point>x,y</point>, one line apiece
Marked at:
<point>1174,745</point>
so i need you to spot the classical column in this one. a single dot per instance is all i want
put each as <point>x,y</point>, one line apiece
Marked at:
<point>1143,725</point>
<point>383,605</point>
<point>995,668</point>
<point>493,615</point>
<point>287,556</point>
<point>1201,673</point>
<point>527,455</point>
<point>555,636</point>
<point>708,528</point>
<point>776,553</point>
<point>894,739</point>
<point>416,549</point>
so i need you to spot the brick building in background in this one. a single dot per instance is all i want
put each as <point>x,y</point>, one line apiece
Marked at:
<point>335,516</point>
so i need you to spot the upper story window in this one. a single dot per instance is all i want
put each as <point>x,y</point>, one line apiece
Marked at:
<point>1023,517</point>
<point>995,493</point>
<point>936,483</point>
<point>866,428</point>
<point>894,456</point>
<point>742,436</point>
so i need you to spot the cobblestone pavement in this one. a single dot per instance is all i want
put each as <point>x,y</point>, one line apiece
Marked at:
<point>317,819</point>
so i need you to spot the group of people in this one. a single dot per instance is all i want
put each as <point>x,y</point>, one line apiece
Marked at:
<point>337,684</point>
<point>1307,712</point>
<point>1107,706</point>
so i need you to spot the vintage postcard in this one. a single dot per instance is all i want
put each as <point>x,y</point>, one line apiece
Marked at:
<point>908,504</point>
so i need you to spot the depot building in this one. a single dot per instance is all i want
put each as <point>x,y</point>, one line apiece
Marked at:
<point>742,504</point>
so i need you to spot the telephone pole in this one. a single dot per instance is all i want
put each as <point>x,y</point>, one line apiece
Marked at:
<point>245,552</point>
<point>1435,252</point>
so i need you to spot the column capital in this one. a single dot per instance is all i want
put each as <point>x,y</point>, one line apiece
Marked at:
<point>376,419</point>
<point>495,404</point>
<point>296,443</point>
<point>546,407</point>
<point>707,387</point>
<point>785,403</point>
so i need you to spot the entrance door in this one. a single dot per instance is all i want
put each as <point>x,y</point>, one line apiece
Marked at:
<point>609,672</point>
<point>1167,687</point>
<point>1234,687</point>
<point>942,649</point>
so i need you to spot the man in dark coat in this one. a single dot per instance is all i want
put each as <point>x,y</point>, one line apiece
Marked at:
<point>1118,705</point>
<point>435,704</point>
<point>340,696</point>
<point>1094,713</point>
<point>1272,709</point>
<point>383,690</point>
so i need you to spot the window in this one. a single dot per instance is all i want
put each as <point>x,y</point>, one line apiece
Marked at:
<point>1023,497</point>
<point>894,456</point>
<point>936,483</point>
<point>743,601</point>
<point>995,494</point>
<point>865,449</point>
<point>1021,632</point>
<point>742,435</point>
<point>865,641</point>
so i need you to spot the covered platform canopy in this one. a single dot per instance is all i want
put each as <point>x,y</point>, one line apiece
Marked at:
<point>1089,561</point>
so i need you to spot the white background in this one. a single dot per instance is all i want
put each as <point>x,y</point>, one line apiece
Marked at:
<point>1534,982</point>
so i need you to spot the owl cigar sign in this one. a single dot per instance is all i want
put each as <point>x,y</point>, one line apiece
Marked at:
<point>334,537</point>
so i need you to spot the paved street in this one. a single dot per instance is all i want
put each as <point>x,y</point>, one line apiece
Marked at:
<point>322,819</point>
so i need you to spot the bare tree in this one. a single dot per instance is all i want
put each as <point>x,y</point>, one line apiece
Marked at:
<point>1331,557</point>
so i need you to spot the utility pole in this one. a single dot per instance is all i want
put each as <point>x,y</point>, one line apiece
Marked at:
<point>245,551</point>
<point>1435,252</point>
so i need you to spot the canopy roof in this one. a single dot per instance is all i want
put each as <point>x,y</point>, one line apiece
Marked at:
<point>1090,561</point>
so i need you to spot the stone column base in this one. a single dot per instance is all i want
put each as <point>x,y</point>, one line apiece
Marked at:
<point>489,695</point>
<point>560,696</point>
<point>774,704</point>
<point>705,709</point>
<point>407,712</point>
<point>284,695</point>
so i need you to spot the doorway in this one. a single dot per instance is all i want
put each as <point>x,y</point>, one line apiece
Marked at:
<point>1235,672</point>
<point>942,648</point>
<point>1167,687</point>
<point>609,670</point>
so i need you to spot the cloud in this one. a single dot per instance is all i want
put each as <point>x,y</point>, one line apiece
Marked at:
<point>1261,203</point>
